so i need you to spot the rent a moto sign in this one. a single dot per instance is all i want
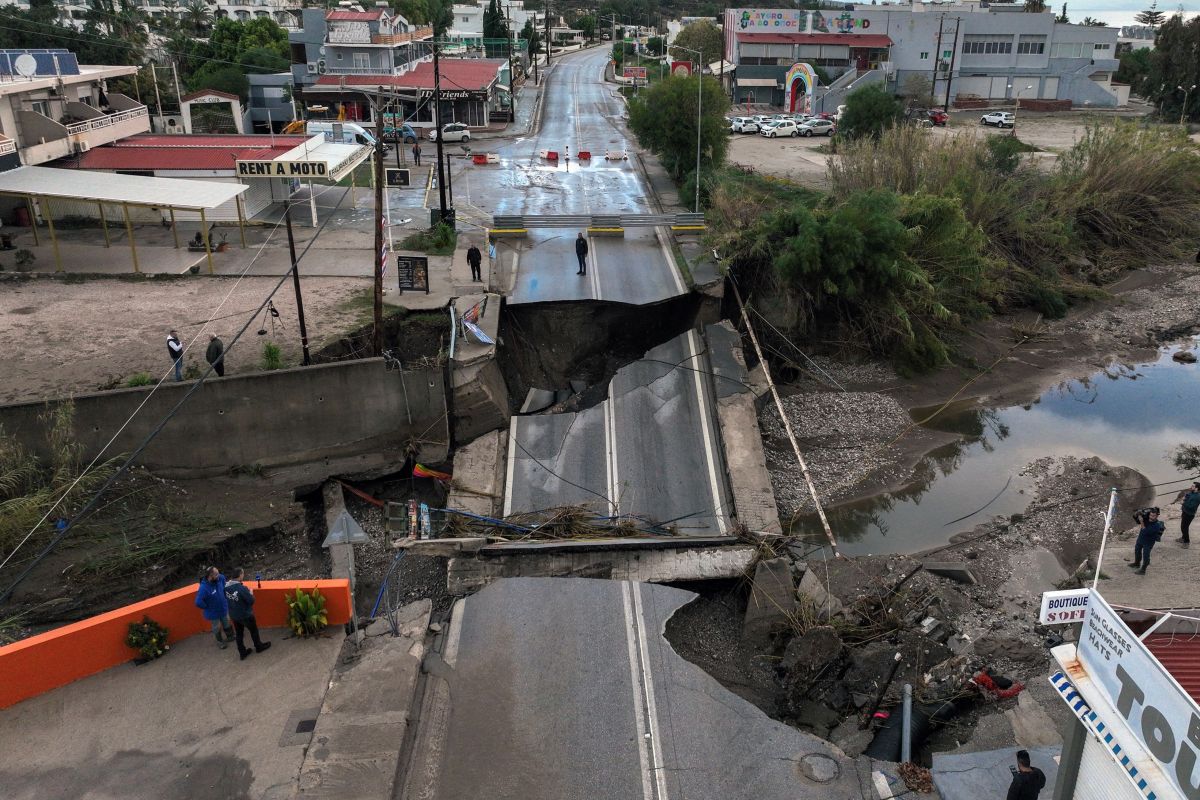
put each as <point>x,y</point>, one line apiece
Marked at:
<point>1159,712</point>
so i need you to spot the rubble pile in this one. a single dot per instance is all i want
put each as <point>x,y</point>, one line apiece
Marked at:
<point>958,624</point>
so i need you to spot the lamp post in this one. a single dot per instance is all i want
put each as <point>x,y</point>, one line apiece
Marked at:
<point>1186,92</point>
<point>699,106</point>
<point>1013,133</point>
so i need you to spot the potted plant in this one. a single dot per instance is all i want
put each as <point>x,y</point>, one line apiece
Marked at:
<point>148,638</point>
<point>306,612</point>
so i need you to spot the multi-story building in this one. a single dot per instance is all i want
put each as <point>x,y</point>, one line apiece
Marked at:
<point>966,50</point>
<point>284,12</point>
<point>52,107</point>
<point>468,19</point>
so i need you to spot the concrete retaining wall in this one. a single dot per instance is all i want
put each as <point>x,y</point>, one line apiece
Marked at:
<point>356,412</point>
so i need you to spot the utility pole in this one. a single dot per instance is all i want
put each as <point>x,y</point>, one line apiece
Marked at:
<point>287,215</point>
<point>437,127</point>
<point>547,36</point>
<point>953,53</point>
<point>512,76</point>
<point>380,255</point>
<point>937,56</point>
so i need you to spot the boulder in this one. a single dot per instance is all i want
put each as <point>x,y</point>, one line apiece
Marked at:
<point>772,603</point>
<point>811,589</point>
<point>809,653</point>
<point>1184,357</point>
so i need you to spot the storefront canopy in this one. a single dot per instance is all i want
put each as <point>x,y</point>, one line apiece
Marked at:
<point>107,187</point>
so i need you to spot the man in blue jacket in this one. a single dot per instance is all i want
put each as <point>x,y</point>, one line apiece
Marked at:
<point>1191,502</point>
<point>1151,532</point>
<point>210,599</point>
<point>241,611</point>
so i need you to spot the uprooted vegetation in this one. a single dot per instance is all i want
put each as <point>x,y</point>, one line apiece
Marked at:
<point>919,235</point>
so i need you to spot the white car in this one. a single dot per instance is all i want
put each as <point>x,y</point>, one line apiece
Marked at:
<point>454,132</point>
<point>787,127</point>
<point>818,127</point>
<point>1001,119</point>
<point>762,119</point>
<point>745,125</point>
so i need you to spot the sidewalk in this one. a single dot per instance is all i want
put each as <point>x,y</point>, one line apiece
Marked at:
<point>1174,571</point>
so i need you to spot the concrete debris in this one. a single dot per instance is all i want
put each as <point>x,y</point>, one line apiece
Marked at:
<point>823,602</point>
<point>537,400</point>
<point>772,603</point>
<point>954,570</point>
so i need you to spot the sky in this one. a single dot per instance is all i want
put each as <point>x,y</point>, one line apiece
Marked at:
<point>1121,12</point>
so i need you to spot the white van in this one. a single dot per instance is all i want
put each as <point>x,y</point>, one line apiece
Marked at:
<point>342,132</point>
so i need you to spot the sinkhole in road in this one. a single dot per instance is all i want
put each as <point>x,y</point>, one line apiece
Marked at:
<point>579,346</point>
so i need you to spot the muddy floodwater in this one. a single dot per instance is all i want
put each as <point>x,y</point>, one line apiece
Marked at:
<point>1131,415</point>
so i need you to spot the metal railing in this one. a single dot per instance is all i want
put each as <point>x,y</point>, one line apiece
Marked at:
<point>106,121</point>
<point>526,221</point>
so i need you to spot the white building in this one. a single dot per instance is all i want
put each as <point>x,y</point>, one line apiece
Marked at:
<point>468,19</point>
<point>284,12</point>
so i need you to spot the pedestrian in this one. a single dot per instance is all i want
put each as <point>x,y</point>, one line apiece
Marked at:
<point>1027,780</point>
<point>475,259</point>
<point>210,599</point>
<point>1151,532</point>
<point>175,350</point>
<point>581,252</point>
<point>241,611</point>
<point>416,151</point>
<point>215,355</point>
<point>1191,502</point>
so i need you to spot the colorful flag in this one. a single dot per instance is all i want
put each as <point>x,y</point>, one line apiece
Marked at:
<point>420,471</point>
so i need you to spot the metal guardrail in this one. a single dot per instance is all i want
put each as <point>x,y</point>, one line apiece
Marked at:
<point>106,121</point>
<point>526,221</point>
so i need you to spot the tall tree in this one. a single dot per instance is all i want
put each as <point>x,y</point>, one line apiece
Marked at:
<point>533,39</point>
<point>587,25</point>
<point>1092,22</point>
<point>1174,68</point>
<point>1063,18</point>
<point>495,26</point>
<point>1151,16</point>
<point>703,36</point>
<point>664,121</point>
<point>1035,6</point>
<point>869,112</point>
<point>197,18</point>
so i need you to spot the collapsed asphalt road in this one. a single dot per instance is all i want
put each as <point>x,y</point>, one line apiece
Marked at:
<point>565,688</point>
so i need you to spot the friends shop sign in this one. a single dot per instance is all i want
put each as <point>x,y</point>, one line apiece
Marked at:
<point>1161,715</point>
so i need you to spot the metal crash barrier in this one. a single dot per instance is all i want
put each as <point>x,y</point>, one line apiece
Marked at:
<point>518,225</point>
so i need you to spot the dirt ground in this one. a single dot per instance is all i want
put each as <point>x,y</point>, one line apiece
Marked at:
<point>61,336</point>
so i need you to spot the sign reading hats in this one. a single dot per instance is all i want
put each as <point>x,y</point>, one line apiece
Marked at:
<point>282,169</point>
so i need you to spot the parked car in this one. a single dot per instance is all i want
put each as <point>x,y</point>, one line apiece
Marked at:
<point>800,119</point>
<point>404,133</point>
<point>786,127</point>
<point>938,117</point>
<point>341,132</point>
<point>745,125</point>
<point>454,132</point>
<point>762,119</point>
<point>1001,119</point>
<point>818,127</point>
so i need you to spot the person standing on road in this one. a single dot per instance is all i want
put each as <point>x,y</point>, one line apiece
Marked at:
<point>210,599</point>
<point>1190,500</point>
<point>1027,780</point>
<point>581,252</point>
<point>175,350</point>
<point>215,355</point>
<point>475,259</point>
<point>241,611</point>
<point>416,151</point>
<point>1148,536</point>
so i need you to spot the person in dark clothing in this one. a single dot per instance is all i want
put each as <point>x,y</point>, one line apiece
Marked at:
<point>210,599</point>
<point>475,259</point>
<point>1191,502</point>
<point>175,350</point>
<point>581,252</point>
<point>416,151</point>
<point>215,355</point>
<point>1151,533</point>
<point>241,611</point>
<point>1027,780</point>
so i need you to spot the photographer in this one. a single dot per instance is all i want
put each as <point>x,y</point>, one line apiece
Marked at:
<point>1151,532</point>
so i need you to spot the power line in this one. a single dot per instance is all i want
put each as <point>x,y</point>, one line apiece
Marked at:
<point>91,504</point>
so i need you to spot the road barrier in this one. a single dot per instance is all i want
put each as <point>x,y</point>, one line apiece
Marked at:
<point>485,158</point>
<point>685,221</point>
<point>49,660</point>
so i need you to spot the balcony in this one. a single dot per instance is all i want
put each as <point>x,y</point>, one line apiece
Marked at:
<point>402,38</point>
<point>44,139</point>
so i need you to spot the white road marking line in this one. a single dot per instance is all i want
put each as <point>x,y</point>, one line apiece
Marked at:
<point>610,448</point>
<point>593,252</point>
<point>693,345</point>
<point>512,465</point>
<point>639,709</point>
<point>671,265</point>
<point>659,768</point>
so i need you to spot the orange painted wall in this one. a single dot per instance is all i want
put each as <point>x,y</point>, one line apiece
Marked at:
<point>44,662</point>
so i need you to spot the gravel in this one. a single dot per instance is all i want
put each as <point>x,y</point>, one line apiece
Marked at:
<point>1153,314</point>
<point>843,437</point>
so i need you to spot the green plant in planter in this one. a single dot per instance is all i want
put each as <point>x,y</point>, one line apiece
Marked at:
<point>306,612</point>
<point>148,638</point>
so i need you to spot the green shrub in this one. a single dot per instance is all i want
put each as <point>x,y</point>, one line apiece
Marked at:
<point>1004,153</point>
<point>140,379</point>
<point>306,612</point>
<point>869,112</point>
<point>272,356</point>
<point>440,240</point>
<point>148,638</point>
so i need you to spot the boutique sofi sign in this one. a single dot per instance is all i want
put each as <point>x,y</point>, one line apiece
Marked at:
<point>1165,720</point>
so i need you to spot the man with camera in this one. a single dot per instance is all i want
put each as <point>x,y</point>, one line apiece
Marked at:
<point>1148,536</point>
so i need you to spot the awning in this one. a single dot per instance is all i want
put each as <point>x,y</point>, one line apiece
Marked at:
<point>107,187</point>
<point>757,82</point>
<point>340,159</point>
<point>719,67</point>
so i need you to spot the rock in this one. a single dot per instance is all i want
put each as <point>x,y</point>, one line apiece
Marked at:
<point>816,717</point>
<point>772,602</point>
<point>850,739</point>
<point>954,570</point>
<point>958,644</point>
<point>1184,357</point>
<point>436,627</point>
<point>812,651</point>
<point>812,590</point>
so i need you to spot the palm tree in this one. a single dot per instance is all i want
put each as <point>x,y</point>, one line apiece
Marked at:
<point>197,17</point>
<point>1094,23</point>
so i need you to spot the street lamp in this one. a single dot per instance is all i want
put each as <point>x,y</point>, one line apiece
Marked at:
<point>1018,107</point>
<point>1186,92</point>
<point>699,105</point>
